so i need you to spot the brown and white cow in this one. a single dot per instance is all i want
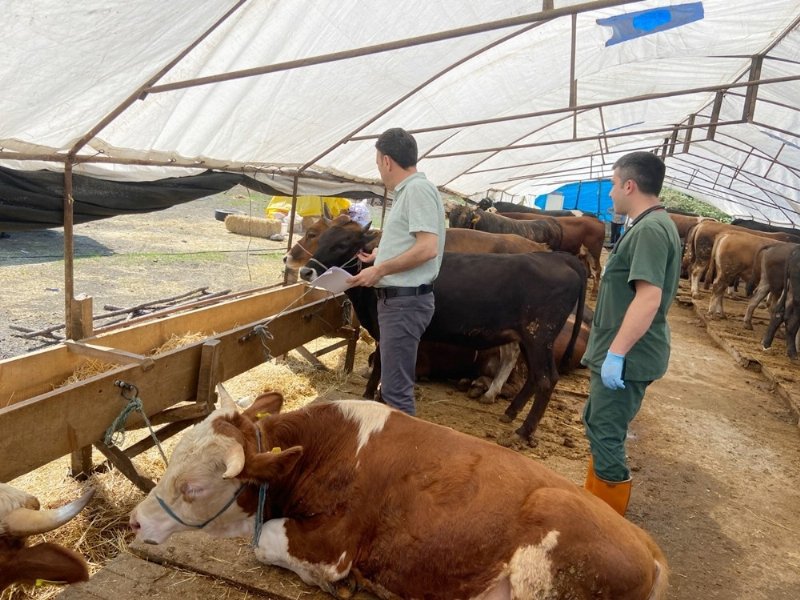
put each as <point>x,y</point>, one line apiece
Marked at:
<point>20,517</point>
<point>361,495</point>
<point>684,223</point>
<point>732,257</point>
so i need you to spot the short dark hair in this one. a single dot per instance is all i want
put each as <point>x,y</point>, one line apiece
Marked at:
<point>645,168</point>
<point>399,145</point>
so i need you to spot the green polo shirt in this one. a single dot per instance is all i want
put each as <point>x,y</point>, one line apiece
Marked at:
<point>650,251</point>
<point>417,207</point>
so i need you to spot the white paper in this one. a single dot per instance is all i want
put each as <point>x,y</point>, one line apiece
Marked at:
<point>334,280</point>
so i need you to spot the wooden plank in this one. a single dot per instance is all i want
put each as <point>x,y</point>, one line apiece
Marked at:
<point>109,355</point>
<point>117,458</point>
<point>130,578</point>
<point>81,316</point>
<point>142,339</point>
<point>179,413</point>
<point>36,373</point>
<point>311,357</point>
<point>230,560</point>
<point>34,432</point>
<point>207,379</point>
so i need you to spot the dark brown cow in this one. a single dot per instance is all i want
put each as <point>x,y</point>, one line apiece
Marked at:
<point>363,496</point>
<point>769,273</point>
<point>480,371</point>
<point>700,242</point>
<point>20,518</point>
<point>546,231</point>
<point>732,257</point>
<point>787,308</point>
<point>575,233</point>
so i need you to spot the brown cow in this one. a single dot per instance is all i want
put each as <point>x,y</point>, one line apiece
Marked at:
<point>20,517</point>
<point>732,257</point>
<point>684,223</point>
<point>575,233</point>
<point>363,496</point>
<point>769,273</point>
<point>456,240</point>
<point>700,242</point>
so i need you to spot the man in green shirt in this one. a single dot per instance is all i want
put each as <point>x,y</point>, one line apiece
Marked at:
<point>629,344</point>
<point>406,263</point>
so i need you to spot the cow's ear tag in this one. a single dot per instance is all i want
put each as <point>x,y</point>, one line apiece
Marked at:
<point>475,219</point>
<point>261,415</point>
<point>276,450</point>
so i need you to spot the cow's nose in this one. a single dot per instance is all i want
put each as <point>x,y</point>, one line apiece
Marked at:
<point>285,258</point>
<point>307,273</point>
<point>134,524</point>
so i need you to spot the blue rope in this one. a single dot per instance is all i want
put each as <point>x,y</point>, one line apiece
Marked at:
<point>262,497</point>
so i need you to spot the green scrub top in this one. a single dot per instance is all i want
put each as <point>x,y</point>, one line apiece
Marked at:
<point>649,251</point>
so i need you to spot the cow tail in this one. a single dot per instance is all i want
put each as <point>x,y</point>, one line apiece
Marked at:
<point>576,328</point>
<point>661,576</point>
<point>711,268</point>
<point>755,276</point>
<point>688,251</point>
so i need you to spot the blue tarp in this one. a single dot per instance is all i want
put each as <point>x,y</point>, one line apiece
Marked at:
<point>588,196</point>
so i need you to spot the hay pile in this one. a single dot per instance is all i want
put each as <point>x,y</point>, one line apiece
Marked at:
<point>85,370</point>
<point>178,341</point>
<point>252,226</point>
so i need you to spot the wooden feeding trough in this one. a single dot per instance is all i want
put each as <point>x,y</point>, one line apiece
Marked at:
<point>40,421</point>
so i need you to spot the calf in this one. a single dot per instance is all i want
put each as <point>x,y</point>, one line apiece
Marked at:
<point>20,517</point>
<point>358,495</point>
<point>483,301</point>
<point>787,308</point>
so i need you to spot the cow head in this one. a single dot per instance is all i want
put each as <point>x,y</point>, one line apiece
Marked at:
<point>20,517</point>
<point>338,247</point>
<point>462,217</point>
<point>306,246</point>
<point>485,204</point>
<point>211,480</point>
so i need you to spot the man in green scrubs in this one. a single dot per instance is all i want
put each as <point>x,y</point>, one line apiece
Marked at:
<point>629,344</point>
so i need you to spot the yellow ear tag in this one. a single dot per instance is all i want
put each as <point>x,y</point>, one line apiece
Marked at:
<point>43,582</point>
<point>262,415</point>
<point>276,450</point>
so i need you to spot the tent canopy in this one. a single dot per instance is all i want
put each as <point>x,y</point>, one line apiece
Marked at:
<point>514,95</point>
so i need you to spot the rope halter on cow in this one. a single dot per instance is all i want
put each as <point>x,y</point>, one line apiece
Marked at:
<point>259,518</point>
<point>353,261</point>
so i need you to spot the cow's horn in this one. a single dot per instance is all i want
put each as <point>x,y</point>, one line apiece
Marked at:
<point>225,400</point>
<point>234,461</point>
<point>22,522</point>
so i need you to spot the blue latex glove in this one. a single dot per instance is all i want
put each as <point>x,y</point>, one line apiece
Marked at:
<point>611,371</point>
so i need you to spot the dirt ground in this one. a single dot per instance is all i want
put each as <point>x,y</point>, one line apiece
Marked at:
<point>715,453</point>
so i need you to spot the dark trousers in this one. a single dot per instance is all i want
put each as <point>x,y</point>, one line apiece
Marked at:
<point>402,321</point>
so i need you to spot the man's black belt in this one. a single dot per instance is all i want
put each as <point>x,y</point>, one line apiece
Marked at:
<point>393,292</point>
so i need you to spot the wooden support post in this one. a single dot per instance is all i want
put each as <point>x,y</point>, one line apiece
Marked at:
<point>688,139</point>
<point>350,356</point>
<point>752,92</point>
<point>208,377</point>
<point>311,357</point>
<point>110,355</point>
<point>79,326</point>
<point>117,458</point>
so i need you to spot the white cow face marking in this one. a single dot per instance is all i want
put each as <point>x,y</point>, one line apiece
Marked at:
<point>194,489</point>
<point>369,416</point>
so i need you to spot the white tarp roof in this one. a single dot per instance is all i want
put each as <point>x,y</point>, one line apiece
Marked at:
<point>68,65</point>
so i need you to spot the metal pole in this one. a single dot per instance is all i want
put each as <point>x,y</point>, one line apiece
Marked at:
<point>545,15</point>
<point>724,87</point>
<point>69,248</point>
